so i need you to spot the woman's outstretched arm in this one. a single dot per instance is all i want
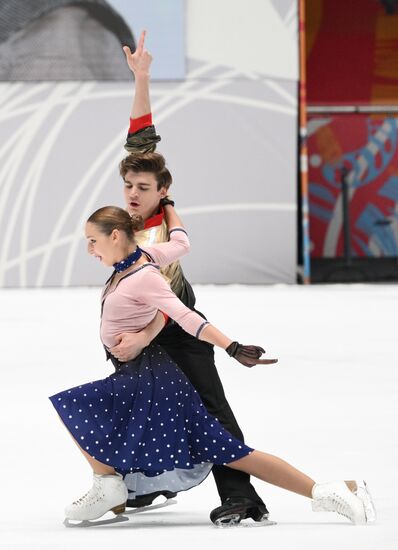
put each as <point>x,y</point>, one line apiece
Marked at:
<point>156,292</point>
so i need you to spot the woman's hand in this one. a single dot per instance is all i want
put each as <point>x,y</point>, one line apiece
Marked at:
<point>248,355</point>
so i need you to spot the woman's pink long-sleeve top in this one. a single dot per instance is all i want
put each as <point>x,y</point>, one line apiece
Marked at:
<point>134,302</point>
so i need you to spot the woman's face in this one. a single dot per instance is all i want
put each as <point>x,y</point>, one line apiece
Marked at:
<point>101,246</point>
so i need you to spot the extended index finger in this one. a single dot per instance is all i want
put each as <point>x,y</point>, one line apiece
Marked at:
<point>140,45</point>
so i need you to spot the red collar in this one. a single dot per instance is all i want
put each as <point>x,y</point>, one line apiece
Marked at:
<point>155,220</point>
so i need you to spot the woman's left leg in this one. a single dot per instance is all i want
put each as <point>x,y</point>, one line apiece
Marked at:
<point>276,471</point>
<point>343,497</point>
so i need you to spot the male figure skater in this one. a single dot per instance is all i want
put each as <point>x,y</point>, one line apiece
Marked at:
<point>146,187</point>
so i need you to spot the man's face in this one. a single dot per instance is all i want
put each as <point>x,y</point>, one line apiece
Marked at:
<point>141,193</point>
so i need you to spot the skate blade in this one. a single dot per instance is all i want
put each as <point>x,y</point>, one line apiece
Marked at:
<point>261,523</point>
<point>364,494</point>
<point>231,520</point>
<point>157,506</point>
<point>70,523</point>
<point>234,520</point>
<point>119,518</point>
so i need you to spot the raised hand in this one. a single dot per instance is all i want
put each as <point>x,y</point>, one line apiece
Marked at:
<point>140,61</point>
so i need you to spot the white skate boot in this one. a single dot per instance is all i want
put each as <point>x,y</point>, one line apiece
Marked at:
<point>108,493</point>
<point>335,496</point>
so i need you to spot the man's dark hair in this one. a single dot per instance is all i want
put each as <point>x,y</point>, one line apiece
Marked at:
<point>153,163</point>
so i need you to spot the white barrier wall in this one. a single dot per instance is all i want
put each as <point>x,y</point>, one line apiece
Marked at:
<point>229,132</point>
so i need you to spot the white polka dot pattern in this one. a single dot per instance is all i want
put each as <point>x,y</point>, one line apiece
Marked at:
<point>149,423</point>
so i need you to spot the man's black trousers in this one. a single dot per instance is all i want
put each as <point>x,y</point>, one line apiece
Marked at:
<point>196,359</point>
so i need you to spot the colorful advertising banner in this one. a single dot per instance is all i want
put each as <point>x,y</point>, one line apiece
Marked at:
<point>366,148</point>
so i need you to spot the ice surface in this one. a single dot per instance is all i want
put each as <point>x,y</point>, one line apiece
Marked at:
<point>329,407</point>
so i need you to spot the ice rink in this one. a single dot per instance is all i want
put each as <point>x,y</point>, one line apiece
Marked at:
<point>329,407</point>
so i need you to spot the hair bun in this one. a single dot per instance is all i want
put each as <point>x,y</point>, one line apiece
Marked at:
<point>137,222</point>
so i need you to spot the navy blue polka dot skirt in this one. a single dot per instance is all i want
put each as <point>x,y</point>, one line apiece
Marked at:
<point>149,423</point>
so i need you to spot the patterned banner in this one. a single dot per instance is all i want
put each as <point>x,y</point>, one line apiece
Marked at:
<point>366,146</point>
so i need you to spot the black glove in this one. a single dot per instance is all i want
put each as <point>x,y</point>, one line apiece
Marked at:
<point>248,355</point>
<point>165,201</point>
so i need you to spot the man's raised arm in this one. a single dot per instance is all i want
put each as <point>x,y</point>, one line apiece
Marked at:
<point>142,134</point>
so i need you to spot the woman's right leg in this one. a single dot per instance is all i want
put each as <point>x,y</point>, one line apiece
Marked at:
<point>107,493</point>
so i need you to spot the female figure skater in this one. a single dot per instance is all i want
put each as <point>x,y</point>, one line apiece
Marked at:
<point>144,427</point>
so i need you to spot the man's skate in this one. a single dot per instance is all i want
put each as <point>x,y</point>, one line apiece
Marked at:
<point>108,494</point>
<point>336,497</point>
<point>235,509</point>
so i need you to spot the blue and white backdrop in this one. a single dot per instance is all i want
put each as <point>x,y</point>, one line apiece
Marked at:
<point>229,132</point>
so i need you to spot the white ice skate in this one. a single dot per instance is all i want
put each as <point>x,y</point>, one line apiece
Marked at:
<point>335,496</point>
<point>108,493</point>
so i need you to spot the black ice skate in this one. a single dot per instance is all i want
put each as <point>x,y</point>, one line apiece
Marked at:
<point>236,509</point>
<point>147,500</point>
